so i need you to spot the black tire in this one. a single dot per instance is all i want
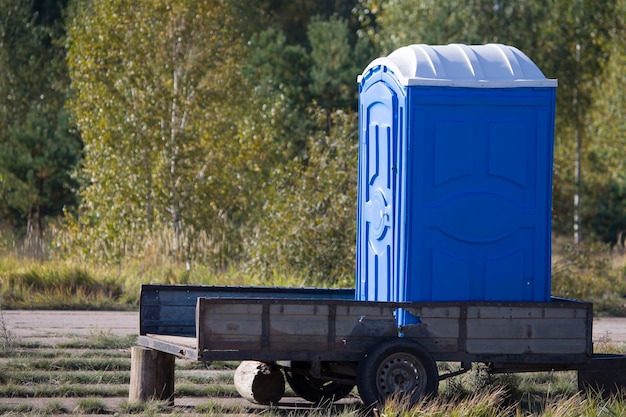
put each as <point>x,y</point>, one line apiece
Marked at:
<point>397,367</point>
<point>313,389</point>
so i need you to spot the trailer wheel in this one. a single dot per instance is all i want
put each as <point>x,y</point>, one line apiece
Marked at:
<point>313,389</point>
<point>397,367</point>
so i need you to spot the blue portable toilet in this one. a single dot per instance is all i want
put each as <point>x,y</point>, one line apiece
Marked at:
<point>455,176</point>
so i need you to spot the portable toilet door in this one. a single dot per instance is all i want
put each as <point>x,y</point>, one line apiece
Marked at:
<point>455,176</point>
<point>380,131</point>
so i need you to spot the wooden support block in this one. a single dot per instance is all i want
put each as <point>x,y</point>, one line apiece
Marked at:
<point>151,375</point>
<point>259,382</point>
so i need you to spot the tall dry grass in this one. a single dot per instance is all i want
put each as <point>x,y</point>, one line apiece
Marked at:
<point>483,404</point>
<point>67,279</point>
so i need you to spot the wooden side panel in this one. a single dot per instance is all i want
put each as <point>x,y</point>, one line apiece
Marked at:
<point>358,327</point>
<point>439,330</point>
<point>527,330</point>
<point>528,311</point>
<point>283,329</point>
<point>298,327</point>
<point>230,326</point>
<point>171,309</point>
<point>527,347</point>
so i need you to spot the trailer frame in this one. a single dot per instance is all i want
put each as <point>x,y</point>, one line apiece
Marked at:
<point>329,335</point>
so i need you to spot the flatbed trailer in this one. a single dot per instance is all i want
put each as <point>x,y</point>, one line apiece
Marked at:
<point>325,342</point>
<point>454,185</point>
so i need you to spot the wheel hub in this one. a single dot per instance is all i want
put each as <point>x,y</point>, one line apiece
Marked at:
<point>399,375</point>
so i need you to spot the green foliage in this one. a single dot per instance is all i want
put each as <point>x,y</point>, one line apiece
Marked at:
<point>274,65</point>
<point>148,80</point>
<point>605,167</point>
<point>585,272</point>
<point>294,16</point>
<point>404,22</point>
<point>580,38</point>
<point>307,226</point>
<point>35,163</point>
<point>606,211</point>
<point>37,149</point>
<point>22,60</point>
<point>334,63</point>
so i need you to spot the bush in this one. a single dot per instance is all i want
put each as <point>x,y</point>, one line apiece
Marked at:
<point>585,272</point>
<point>308,225</point>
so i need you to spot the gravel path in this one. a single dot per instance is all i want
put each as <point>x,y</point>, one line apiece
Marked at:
<point>51,327</point>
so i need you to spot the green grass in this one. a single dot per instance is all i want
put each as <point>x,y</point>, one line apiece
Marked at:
<point>92,375</point>
<point>212,408</point>
<point>74,364</point>
<point>205,390</point>
<point>146,408</point>
<point>30,377</point>
<point>92,406</point>
<point>55,407</point>
<point>101,340</point>
<point>495,402</point>
<point>590,271</point>
<point>198,365</point>
<point>182,377</point>
<point>57,285</point>
<point>17,410</point>
<point>48,352</point>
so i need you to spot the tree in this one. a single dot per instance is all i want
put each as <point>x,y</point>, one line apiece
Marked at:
<point>604,209</point>
<point>293,17</point>
<point>577,45</point>
<point>36,161</point>
<point>304,221</point>
<point>335,61</point>
<point>154,96</point>
<point>307,226</point>
<point>273,65</point>
<point>392,24</point>
<point>19,51</point>
<point>38,150</point>
<point>277,74</point>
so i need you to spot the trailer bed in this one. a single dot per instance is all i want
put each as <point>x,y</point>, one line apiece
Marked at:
<point>325,336</point>
<point>244,324</point>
